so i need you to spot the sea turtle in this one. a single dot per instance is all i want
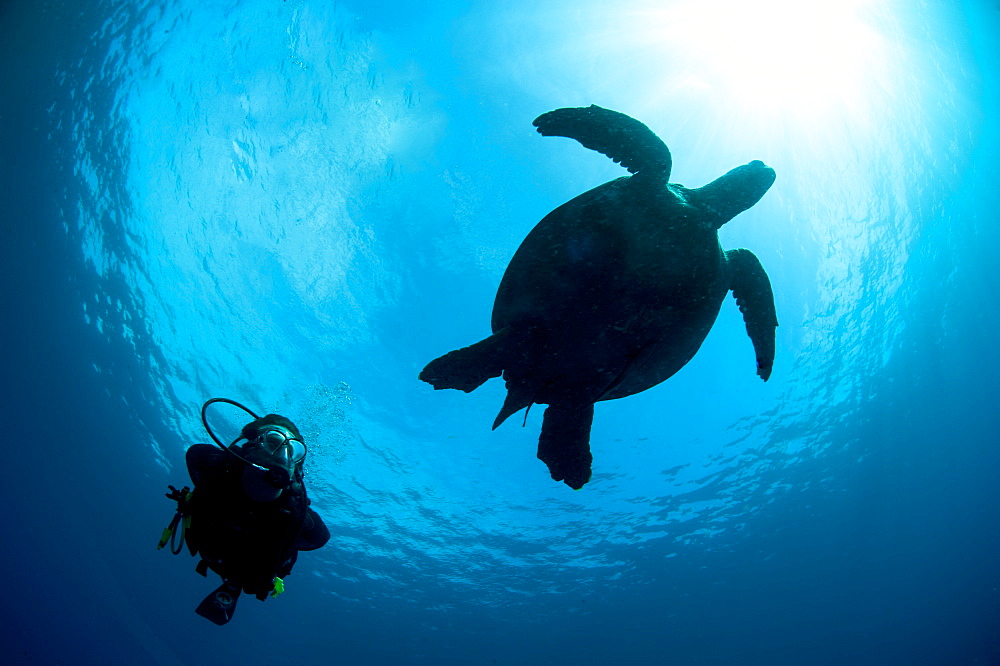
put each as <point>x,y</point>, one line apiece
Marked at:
<point>615,290</point>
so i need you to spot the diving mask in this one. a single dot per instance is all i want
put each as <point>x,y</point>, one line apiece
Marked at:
<point>280,442</point>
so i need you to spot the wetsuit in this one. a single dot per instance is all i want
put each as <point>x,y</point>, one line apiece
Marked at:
<point>245,541</point>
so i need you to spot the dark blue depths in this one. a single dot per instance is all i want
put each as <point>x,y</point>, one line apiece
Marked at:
<point>843,513</point>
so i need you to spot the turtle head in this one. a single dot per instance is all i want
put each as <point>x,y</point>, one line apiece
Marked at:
<point>729,195</point>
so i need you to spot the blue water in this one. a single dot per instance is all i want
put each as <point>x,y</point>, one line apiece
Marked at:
<point>299,204</point>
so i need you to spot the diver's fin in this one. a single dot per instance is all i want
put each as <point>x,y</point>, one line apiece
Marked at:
<point>753,294</point>
<point>467,368</point>
<point>220,605</point>
<point>565,443</point>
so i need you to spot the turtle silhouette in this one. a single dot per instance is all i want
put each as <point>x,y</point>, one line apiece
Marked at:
<point>615,290</point>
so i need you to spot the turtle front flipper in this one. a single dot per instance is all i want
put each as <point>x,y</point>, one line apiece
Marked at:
<point>622,138</point>
<point>565,443</point>
<point>752,290</point>
<point>468,368</point>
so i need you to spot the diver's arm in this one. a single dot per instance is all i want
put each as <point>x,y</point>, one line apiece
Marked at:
<point>314,533</point>
<point>206,463</point>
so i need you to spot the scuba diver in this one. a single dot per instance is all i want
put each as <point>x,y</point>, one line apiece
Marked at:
<point>248,515</point>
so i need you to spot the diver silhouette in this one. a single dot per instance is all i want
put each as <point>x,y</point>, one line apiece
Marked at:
<point>248,515</point>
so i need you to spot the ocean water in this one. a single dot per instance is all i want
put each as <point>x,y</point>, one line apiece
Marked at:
<point>299,204</point>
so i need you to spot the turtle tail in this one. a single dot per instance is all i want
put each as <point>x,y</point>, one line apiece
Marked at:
<point>565,443</point>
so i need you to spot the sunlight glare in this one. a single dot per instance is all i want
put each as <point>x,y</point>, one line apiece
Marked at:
<point>785,56</point>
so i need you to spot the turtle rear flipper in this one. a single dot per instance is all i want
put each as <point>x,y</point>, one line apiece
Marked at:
<point>468,368</point>
<point>565,443</point>
<point>752,290</point>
